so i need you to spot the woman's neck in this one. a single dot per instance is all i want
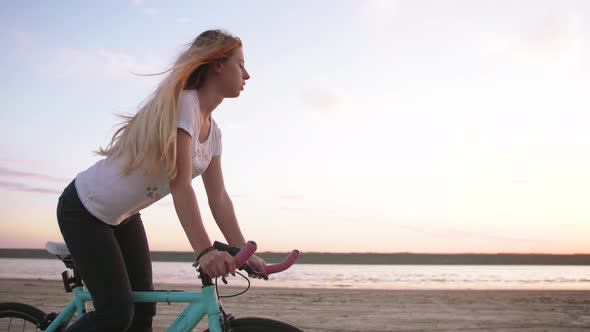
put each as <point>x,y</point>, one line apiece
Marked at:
<point>208,100</point>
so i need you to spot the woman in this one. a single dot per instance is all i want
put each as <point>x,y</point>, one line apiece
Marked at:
<point>159,150</point>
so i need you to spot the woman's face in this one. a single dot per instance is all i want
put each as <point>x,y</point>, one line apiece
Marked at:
<point>233,74</point>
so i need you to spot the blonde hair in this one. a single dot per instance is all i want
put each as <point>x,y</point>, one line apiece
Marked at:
<point>148,138</point>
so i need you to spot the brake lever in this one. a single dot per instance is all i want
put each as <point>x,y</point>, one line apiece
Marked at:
<point>253,273</point>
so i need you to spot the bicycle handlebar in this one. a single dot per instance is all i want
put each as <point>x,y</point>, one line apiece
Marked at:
<point>242,255</point>
<point>285,264</point>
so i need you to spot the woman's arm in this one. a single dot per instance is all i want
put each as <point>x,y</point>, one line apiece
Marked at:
<point>223,211</point>
<point>221,205</point>
<point>185,202</point>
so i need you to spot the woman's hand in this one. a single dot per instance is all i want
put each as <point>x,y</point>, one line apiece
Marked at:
<point>217,264</point>
<point>257,264</point>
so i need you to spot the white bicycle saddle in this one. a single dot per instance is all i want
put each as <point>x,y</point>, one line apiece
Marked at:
<point>57,248</point>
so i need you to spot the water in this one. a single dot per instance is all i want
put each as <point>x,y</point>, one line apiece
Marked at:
<point>356,276</point>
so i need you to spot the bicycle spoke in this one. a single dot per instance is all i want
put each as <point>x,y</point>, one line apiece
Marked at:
<point>11,324</point>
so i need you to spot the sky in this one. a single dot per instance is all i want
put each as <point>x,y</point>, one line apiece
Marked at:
<point>366,126</point>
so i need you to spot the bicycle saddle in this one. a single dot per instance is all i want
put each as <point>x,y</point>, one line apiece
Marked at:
<point>57,248</point>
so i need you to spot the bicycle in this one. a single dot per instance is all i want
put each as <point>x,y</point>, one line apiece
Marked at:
<point>200,303</point>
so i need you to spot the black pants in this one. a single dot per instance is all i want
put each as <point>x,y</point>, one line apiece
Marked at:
<point>113,261</point>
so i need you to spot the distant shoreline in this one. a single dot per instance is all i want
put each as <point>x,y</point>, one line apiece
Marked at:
<point>363,258</point>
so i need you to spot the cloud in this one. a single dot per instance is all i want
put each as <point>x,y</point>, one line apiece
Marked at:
<point>11,174</point>
<point>137,2</point>
<point>20,162</point>
<point>96,63</point>
<point>38,176</point>
<point>151,11</point>
<point>22,187</point>
<point>184,20</point>
<point>101,63</point>
<point>105,63</point>
<point>322,100</point>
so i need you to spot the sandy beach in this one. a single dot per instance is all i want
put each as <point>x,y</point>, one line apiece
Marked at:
<point>367,310</point>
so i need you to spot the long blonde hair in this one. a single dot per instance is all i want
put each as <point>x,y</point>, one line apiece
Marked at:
<point>148,138</point>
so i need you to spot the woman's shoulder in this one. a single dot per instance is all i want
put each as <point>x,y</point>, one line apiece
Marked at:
<point>188,102</point>
<point>215,131</point>
<point>214,126</point>
<point>188,96</point>
<point>187,116</point>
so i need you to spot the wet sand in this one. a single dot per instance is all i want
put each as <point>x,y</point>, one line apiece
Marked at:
<point>324,310</point>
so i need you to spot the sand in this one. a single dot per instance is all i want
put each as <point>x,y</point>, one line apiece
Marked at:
<point>367,310</point>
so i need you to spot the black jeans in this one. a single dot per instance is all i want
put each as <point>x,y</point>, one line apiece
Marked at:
<point>113,261</point>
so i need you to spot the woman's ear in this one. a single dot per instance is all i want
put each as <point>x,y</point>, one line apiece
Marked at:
<point>217,66</point>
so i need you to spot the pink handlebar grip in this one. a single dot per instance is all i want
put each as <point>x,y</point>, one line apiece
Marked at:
<point>247,250</point>
<point>285,264</point>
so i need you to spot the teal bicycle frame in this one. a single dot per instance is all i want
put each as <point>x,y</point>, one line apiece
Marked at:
<point>200,304</point>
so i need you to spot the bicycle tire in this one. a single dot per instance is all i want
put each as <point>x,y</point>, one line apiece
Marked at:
<point>257,324</point>
<point>18,315</point>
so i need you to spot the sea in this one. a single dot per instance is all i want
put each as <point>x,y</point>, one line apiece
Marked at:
<point>401,277</point>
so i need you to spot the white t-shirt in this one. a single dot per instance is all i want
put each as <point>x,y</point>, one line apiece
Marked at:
<point>112,198</point>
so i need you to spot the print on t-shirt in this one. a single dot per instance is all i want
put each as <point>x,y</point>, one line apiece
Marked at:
<point>202,154</point>
<point>153,193</point>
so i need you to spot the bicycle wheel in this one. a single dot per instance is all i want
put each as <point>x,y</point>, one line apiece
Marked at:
<point>19,317</point>
<point>256,324</point>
